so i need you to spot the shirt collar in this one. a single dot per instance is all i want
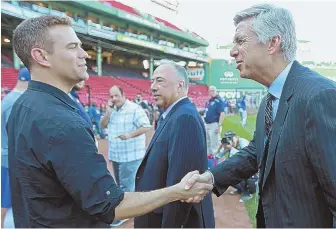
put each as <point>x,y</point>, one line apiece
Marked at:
<point>164,115</point>
<point>124,105</point>
<point>53,91</point>
<point>276,87</point>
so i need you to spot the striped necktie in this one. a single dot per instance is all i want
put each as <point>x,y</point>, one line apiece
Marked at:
<point>268,116</point>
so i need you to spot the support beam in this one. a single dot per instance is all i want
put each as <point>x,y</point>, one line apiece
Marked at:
<point>16,60</point>
<point>99,59</point>
<point>151,67</point>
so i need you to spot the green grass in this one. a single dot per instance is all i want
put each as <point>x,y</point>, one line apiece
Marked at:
<point>325,71</point>
<point>233,123</point>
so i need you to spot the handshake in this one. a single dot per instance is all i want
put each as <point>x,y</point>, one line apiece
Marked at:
<point>194,187</point>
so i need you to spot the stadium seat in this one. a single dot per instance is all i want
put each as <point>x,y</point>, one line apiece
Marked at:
<point>100,85</point>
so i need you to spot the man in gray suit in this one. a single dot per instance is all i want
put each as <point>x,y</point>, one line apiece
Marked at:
<point>294,145</point>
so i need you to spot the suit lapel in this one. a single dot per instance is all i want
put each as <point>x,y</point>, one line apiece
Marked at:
<point>280,118</point>
<point>163,124</point>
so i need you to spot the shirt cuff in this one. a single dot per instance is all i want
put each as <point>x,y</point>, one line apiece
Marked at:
<point>212,176</point>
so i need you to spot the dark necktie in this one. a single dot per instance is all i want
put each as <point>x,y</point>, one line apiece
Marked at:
<point>160,121</point>
<point>268,131</point>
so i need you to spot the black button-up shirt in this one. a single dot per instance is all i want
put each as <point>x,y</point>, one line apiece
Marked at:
<point>57,177</point>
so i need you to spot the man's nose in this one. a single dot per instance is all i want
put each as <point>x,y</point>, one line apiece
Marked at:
<point>234,52</point>
<point>153,87</point>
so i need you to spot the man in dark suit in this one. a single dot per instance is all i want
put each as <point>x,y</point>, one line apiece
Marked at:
<point>177,147</point>
<point>294,145</point>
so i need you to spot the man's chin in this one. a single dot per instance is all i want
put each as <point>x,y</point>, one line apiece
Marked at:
<point>86,76</point>
<point>83,76</point>
<point>244,76</point>
<point>158,104</point>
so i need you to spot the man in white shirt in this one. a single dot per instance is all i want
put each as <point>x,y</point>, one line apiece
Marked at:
<point>127,124</point>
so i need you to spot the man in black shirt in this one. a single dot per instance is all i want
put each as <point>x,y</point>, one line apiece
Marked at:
<point>56,175</point>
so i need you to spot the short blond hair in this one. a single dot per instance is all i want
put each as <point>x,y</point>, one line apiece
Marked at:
<point>33,33</point>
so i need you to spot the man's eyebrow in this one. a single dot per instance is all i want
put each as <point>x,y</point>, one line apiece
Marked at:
<point>236,37</point>
<point>158,77</point>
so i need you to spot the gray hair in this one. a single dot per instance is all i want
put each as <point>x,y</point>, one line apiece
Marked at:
<point>270,21</point>
<point>181,73</point>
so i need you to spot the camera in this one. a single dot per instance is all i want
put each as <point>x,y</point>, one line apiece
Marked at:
<point>226,141</point>
<point>228,138</point>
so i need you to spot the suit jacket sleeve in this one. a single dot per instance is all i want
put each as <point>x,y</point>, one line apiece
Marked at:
<point>237,168</point>
<point>187,152</point>
<point>321,142</point>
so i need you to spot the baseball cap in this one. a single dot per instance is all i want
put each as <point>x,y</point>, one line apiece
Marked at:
<point>24,74</point>
<point>229,134</point>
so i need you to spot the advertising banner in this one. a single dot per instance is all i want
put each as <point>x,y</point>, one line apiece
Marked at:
<point>196,73</point>
<point>226,76</point>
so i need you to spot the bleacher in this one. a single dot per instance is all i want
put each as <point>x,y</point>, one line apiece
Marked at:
<point>99,87</point>
<point>8,77</point>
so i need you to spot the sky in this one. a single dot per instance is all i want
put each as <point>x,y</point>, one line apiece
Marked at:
<point>213,20</point>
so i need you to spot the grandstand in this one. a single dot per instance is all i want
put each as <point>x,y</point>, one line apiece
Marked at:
<point>119,40</point>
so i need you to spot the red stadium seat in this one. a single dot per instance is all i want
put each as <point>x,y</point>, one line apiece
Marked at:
<point>100,88</point>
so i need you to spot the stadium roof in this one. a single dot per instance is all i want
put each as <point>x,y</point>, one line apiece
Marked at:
<point>128,9</point>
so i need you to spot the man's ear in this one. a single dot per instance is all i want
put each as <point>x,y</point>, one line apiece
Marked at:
<point>40,56</point>
<point>181,85</point>
<point>274,45</point>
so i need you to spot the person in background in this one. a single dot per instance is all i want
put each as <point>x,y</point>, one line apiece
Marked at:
<point>6,108</point>
<point>241,104</point>
<point>75,97</point>
<point>233,144</point>
<point>127,124</point>
<point>138,100</point>
<point>226,106</point>
<point>213,117</point>
<point>95,115</point>
<point>102,109</point>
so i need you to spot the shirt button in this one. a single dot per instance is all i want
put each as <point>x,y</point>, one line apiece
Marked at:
<point>108,193</point>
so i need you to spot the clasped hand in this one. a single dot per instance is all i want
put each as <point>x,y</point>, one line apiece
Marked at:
<point>194,187</point>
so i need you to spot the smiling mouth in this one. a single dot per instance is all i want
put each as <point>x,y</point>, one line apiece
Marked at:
<point>239,63</point>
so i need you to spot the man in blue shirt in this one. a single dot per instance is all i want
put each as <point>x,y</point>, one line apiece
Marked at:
<point>6,108</point>
<point>95,115</point>
<point>75,97</point>
<point>214,116</point>
<point>242,110</point>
